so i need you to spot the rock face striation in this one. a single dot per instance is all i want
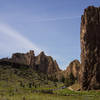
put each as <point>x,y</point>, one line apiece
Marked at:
<point>90,48</point>
<point>26,59</point>
<point>46,64</point>
<point>41,63</point>
<point>73,68</point>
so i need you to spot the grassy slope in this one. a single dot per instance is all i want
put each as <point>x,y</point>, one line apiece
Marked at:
<point>46,97</point>
<point>15,83</point>
<point>72,91</point>
<point>67,92</point>
<point>23,80</point>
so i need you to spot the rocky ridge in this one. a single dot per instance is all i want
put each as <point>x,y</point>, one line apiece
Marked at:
<point>41,63</point>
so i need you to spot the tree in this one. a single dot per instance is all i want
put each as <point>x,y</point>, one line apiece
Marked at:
<point>30,85</point>
<point>62,79</point>
<point>70,80</point>
<point>67,82</point>
<point>22,84</point>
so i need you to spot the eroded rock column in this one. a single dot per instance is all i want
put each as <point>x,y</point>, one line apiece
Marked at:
<point>90,48</point>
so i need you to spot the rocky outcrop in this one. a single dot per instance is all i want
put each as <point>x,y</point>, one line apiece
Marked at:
<point>46,64</point>
<point>90,48</point>
<point>40,63</point>
<point>26,59</point>
<point>73,68</point>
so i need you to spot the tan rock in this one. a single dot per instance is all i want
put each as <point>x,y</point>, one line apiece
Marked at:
<point>74,68</point>
<point>27,59</point>
<point>90,48</point>
<point>46,64</point>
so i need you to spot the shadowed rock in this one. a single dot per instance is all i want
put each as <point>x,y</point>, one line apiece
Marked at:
<point>46,64</point>
<point>90,48</point>
<point>40,63</point>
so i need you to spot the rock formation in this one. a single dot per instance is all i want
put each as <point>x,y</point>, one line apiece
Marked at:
<point>46,64</point>
<point>40,63</point>
<point>26,59</point>
<point>90,48</point>
<point>73,68</point>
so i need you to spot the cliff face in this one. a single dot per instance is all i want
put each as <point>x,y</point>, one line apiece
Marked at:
<point>26,59</point>
<point>74,68</point>
<point>90,48</point>
<point>46,64</point>
<point>41,63</point>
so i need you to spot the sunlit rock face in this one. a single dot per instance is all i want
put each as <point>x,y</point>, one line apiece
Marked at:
<point>26,59</point>
<point>46,64</point>
<point>41,63</point>
<point>73,68</point>
<point>90,48</point>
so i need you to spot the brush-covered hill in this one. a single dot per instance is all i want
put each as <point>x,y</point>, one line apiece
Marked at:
<point>27,71</point>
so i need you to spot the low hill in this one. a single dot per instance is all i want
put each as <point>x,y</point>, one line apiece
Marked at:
<point>27,71</point>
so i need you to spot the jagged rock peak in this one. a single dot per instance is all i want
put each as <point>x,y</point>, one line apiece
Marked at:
<point>24,58</point>
<point>31,52</point>
<point>46,64</point>
<point>74,62</point>
<point>91,15</point>
<point>57,66</point>
<point>42,53</point>
<point>90,48</point>
<point>41,63</point>
<point>73,68</point>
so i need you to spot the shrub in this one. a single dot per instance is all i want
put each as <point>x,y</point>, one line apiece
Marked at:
<point>70,80</point>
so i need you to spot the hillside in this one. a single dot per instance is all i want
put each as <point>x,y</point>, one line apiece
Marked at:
<point>24,72</point>
<point>17,79</point>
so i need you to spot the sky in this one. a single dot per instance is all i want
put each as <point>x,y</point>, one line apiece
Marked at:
<point>52,26</point>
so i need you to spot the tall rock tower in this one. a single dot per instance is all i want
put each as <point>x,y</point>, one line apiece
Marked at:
<point>90,48</point>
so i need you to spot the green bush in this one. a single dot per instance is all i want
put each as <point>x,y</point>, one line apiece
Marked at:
<point>70,80</point>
